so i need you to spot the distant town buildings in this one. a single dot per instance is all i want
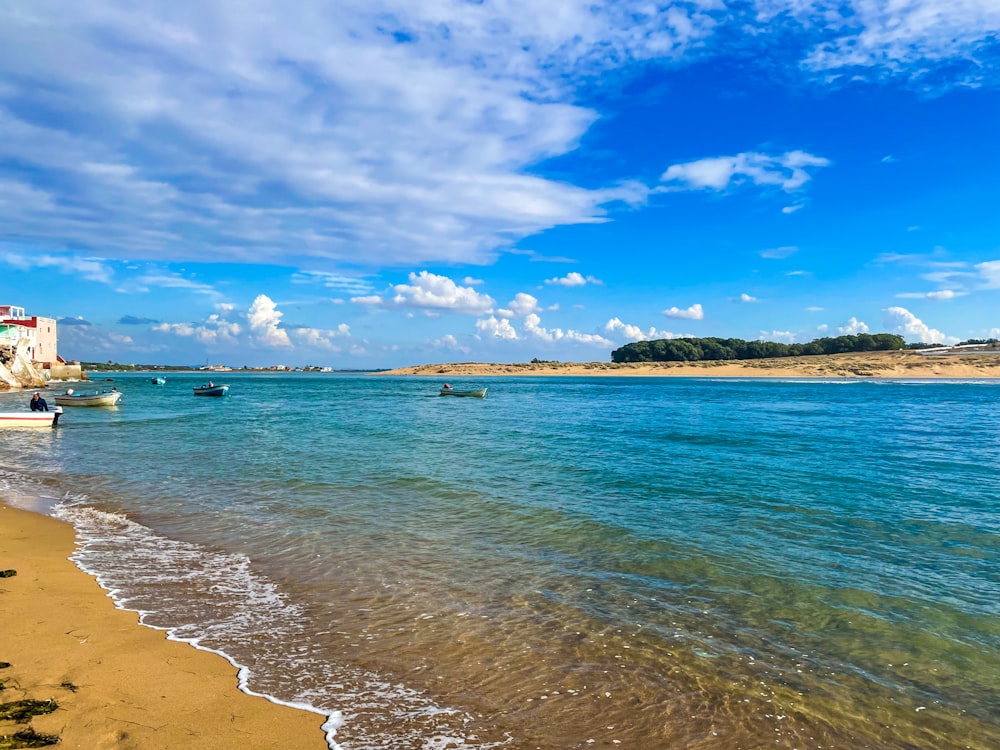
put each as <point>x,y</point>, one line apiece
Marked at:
<point>39,332</point>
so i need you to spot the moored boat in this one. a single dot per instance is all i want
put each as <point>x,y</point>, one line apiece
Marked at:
<point>30,418</point>
<point>158,381</point>
<point>210,389</point>
<point>107,398</point>
<point>475,393</point>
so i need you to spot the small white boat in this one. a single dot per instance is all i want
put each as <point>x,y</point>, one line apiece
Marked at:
<point>211,390</point>
<point>107,398</point>
<point>30,418</point>
<point>158,381</point>
<point>477,393</point>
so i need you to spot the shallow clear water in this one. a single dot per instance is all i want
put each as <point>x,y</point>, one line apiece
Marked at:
<point>570,562</point>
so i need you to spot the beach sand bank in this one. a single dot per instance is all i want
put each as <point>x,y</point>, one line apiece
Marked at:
<point>117,683</point>
<point>898,364</point>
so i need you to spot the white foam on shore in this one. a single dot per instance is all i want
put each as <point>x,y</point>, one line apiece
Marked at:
<point>227,579</point>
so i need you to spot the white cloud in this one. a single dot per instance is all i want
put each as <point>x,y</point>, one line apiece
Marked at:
<point>494,328</point>
<point>793,208</point>
<point>91,269</point>
<point>263,318</point>
<point>450,342</point>
<point>533,327</point>
<point>428,290</point>
<point>813,308</point>
<point>990,273</point>
<point>853,327</point>
<point>785,337</point>
<point>522,304</point>
<point>901,321</point>
<point>472,281</point>
<point>938,295</point>
<point>785,251</point>
<point>320,338</point>
<point>788,171</point>
<point>694,312</point>
<point>747,298</point>
<point>635,333</point>
<point>355,285</point>
<point>213,330</point>
<point>370,300</point>
<point>911,39</point>
<point>573,279</point>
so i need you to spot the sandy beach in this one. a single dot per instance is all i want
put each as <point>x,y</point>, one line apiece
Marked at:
<point>897,364</point>
<point>116,684</point>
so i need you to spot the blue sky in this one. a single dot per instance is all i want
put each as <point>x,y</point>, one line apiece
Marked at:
<point>379,183</point>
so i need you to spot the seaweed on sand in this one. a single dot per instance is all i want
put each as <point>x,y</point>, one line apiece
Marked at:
<point>22,711</point>
<point>26,738</point>
<point>9,573</point>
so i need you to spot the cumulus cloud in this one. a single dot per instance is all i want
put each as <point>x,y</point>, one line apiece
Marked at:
<point>213,330</point>
<point>747,298</point>
<point>522,304</point>
<point>318,338</point>
<point>263,319</point>
<point>573,279</point>
<point>533,327</point>
<point>634,333</point>
<point>694,312</point>
<point>901,321</point>
<point>788,171</point>
<point>853,327</point>
<point>784,337</point>
<point>430,291</point>
<point>492,327</point>
<point>448,341</point>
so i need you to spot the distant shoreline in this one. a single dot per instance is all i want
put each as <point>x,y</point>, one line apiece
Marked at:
<point>891,364</point>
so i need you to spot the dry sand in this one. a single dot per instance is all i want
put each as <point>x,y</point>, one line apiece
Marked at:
<point>117,684</point>
<point>901,364</point>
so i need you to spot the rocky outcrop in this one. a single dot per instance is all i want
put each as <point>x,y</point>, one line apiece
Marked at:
<point>17,369</point>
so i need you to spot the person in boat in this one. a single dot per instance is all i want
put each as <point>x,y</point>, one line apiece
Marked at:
<point>211,384</point>
<point>447,387</point>
<point>38,403</point>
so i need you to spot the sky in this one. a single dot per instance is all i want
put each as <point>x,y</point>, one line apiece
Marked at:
<point>377,183</point>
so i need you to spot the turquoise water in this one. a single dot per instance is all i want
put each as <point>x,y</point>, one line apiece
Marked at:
<point>570,562</point>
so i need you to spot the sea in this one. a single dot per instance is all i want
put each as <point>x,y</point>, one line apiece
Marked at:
<point>593,562</point>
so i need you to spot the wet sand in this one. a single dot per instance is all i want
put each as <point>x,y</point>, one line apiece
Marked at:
<point>898,364</point>
<point>117,684</point>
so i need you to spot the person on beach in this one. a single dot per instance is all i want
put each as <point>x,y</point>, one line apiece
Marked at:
<point>38,403</point>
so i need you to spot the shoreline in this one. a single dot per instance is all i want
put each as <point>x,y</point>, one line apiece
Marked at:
<point>116,682</point>
<point>867,365</point>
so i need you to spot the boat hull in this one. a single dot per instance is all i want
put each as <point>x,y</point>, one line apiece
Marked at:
<point>30,418</point>
<point>478,393</point>
<point>214,390</point>
<point>89,399</point>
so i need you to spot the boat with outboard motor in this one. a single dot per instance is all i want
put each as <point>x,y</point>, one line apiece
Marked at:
<point>99,398</point>
<point>30,418</point>
<point>211,389</point>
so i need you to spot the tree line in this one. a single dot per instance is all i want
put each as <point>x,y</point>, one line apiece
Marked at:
<point>695,349</point>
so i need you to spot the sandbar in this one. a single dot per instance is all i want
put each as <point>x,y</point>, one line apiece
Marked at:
<point>895,364</point>
<point>117,683</point>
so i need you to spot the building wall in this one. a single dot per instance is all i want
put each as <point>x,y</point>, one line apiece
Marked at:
<point>45,340</point>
